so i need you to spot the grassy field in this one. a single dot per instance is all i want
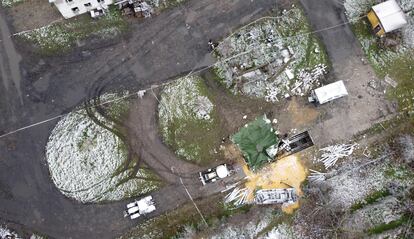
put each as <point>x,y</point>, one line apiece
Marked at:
<point>192,134</point>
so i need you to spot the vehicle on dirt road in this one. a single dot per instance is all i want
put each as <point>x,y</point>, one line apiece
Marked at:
<point>140,207</point>
<point>328,93</point>
<point>213,174</point>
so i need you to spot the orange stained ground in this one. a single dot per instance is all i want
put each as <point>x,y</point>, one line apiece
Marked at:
<point>284,173</point>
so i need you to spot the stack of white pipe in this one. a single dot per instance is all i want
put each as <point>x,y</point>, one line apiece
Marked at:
<point>333,153</point>
<point>238,196</point>
<point>316,176</point>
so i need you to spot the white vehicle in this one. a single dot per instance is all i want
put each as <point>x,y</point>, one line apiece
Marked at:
<point>213,174</point>
<point>328,93</point>
<point>140,207</point>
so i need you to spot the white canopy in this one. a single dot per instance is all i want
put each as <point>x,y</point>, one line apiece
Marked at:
<point>330,92</point>
<point>390,15</point>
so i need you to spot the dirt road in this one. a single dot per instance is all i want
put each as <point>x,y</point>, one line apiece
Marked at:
<point>155,50</point>
<point>345,117</point>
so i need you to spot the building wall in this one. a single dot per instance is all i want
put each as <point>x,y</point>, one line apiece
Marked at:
<point>68,7</point>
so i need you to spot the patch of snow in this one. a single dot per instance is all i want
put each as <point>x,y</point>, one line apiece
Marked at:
<point>385,211</point>
<point>281,231</point>
<point>183,99</point>
<point>351,186</point>
<point>86,160</point>
<point>250,230</point>
<point>184,102</point>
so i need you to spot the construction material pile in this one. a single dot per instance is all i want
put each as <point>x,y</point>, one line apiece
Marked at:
<point>272,58</point>
<point>332,153</point>
<point>281,179</point>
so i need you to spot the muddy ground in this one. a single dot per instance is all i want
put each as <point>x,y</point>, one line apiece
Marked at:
<point>154,51</point>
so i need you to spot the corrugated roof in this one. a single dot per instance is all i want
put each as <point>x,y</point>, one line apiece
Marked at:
<point>390,15</point>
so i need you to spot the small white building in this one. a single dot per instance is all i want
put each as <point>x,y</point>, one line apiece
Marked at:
<point>386,17</point>
<point>72,8</point>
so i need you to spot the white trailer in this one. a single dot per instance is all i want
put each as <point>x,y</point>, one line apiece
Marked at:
<point>275,196</point>
<point>140,207</point>
<point>328,93</point>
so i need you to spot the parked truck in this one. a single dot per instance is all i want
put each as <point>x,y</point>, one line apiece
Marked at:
<point>140,207</point>
<point>213,174</point>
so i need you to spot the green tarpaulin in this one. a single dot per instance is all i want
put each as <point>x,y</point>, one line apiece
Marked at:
<point>253,141</point>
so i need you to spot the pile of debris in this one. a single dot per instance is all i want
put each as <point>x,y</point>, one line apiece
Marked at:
<point>137,8</point>
<point>268,59</point>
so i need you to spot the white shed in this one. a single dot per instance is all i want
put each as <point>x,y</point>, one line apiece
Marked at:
<point>387,17</point>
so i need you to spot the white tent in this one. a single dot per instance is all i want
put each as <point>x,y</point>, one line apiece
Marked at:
<point>390,15</point>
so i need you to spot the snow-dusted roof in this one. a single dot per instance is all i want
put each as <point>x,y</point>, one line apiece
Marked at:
<point>330,92</point>
<point>390,15</point>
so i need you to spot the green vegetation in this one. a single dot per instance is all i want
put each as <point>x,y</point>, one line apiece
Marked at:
<point>396,63</point>
<point>61,36</point>
<point>10,3</point>
<point>389,226</point>
<point>169,3</point>
<point>370,199</point>
<point>188,120</point>
<point>402,70</point>
<point>401,172</point>
<point>254,139</point>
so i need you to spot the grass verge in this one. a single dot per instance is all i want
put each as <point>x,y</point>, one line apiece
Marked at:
<point>60,37</point>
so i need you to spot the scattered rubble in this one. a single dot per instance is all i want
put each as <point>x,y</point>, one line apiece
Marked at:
<point>272,58</point>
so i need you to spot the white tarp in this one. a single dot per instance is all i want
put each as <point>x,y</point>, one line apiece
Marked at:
<point>390,15</point>
<point>330,92</point>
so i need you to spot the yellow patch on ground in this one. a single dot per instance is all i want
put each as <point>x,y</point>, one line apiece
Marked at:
<point>301,114</point>
<point>285,173</point>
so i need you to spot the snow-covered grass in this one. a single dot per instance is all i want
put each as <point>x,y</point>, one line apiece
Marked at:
<point>187,119</point>
<point>163,4</point>
<point>352,186</point>
<point>61,36</point>
<point>10,3</point>
<point>398,61</point>
<point>90,163</point>
<point>387,210</point>
<point>272,57</point>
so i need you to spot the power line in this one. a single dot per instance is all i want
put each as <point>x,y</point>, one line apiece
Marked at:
<point>192,72</point>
